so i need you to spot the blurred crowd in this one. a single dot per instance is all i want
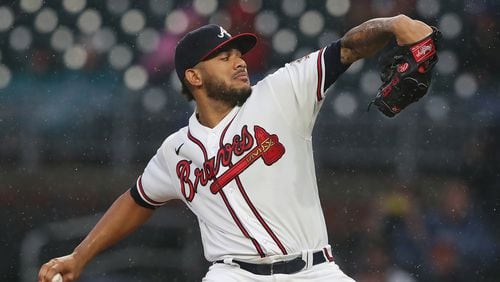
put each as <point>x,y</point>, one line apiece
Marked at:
<point>470,28</point>
<point>445,229</point>
<point>407,235</point>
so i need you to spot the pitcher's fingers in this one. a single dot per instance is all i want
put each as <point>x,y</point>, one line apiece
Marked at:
<point>49,270</point>
<point>44,268</point>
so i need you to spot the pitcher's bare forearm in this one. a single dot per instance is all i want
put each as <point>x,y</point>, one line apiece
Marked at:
<point>365,39</point>
<point>123,217</point>
<point>371,36</point>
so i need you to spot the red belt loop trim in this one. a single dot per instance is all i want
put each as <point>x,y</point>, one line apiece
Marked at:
<point>327,254</point>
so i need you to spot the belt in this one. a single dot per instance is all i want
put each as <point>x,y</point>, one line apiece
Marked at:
<point>280,267</point>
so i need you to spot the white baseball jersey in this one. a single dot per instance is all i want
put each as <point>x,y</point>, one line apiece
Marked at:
<point>250,180</point>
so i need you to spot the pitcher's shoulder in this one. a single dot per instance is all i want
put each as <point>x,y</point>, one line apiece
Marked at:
<point>175,138</point>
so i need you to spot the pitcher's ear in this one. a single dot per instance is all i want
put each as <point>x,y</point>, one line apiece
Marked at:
<point>193,77</point>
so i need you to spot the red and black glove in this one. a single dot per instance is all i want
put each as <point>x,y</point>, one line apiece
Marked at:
<point>406,74</point>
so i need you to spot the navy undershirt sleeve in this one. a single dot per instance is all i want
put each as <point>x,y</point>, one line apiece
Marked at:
<point>333,67</point>
<point>137,198</point>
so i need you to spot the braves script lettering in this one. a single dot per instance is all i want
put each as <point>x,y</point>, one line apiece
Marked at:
<point>268,148</point>
<point>240,144</point>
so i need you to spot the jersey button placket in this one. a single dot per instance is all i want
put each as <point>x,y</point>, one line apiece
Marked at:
<point>212,143</point>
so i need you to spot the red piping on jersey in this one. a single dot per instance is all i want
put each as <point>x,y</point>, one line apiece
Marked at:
<point>197,142</point>
<point>259,217</point>
<point>249,202</point>
<point>143,194</point>
<point>320,75</point>
<point>238,222</point>
<point>226,202</point>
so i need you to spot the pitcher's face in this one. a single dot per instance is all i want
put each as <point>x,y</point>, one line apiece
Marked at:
<point>225,77</point>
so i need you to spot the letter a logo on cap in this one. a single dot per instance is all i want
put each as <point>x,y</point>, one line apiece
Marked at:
<point>222,32</point>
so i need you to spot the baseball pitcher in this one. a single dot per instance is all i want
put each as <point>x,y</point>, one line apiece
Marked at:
<point>244,163</point>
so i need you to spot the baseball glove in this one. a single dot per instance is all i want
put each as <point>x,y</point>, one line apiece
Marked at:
<point>406,73</point>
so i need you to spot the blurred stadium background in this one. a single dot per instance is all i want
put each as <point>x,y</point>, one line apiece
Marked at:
<point>88,93</point>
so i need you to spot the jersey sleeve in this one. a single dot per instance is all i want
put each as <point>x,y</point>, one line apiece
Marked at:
<point>299,87</point>
<point>333,67</point>
<point>154,187</point>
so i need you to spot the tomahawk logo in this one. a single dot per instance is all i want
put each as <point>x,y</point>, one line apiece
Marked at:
<point>223,32</point>
<point>267,147</point>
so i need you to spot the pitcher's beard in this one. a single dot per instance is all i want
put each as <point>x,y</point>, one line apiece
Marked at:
<point>218,90</point>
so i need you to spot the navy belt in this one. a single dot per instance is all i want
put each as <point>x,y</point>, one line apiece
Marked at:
<point>281,267</point>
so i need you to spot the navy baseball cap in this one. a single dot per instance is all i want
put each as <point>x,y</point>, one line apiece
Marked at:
<point>200,43</point>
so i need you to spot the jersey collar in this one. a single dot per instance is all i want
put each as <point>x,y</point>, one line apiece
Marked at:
<point>200,130</point>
